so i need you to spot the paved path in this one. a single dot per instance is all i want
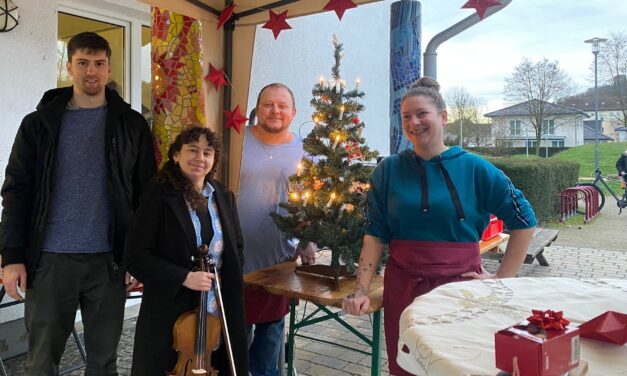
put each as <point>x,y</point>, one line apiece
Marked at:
<point>607,231</point>
<point>594,250</point>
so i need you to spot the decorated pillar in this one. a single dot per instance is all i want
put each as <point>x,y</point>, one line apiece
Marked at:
<point>177,94</point>
<point>405,52</point>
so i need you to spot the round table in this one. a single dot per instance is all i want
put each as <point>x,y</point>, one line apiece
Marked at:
<point>450,331</point>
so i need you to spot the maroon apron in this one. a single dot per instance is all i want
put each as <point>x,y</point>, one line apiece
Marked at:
<point>414,268</point>
<point>261,306</point>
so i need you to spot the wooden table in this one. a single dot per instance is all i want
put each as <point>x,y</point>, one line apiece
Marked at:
<point>492,245</point>
<point>282,279</point>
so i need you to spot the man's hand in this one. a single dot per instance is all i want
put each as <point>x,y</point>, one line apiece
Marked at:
<point>356,304</point>
<point>622,173</point>
<point>130,282</point>
<point>307,254</point>
<point>14,275</point>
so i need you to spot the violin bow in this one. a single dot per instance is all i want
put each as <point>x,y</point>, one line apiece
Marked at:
<point>225,329</point>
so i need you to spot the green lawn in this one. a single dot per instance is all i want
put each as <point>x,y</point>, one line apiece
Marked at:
<point>584,155</point>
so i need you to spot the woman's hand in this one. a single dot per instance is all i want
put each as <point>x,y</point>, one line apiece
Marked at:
<point>484,274</point>
<point>356,304</point>
<point>199,281</point>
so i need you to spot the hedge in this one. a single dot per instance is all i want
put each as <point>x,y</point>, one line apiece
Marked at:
<point>541,181</point>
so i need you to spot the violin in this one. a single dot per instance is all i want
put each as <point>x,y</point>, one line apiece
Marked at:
<point>196,333</point>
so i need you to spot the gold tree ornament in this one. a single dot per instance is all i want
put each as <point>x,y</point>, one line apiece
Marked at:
<point>8,15</point>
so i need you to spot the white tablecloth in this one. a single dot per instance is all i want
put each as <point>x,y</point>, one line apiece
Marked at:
<point>450,331</point>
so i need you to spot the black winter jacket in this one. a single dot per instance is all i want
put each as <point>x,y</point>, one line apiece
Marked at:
<point>28,177</point>
<point>621,164</point>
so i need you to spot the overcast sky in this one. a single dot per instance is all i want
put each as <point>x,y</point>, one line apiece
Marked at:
<point>482,57</point>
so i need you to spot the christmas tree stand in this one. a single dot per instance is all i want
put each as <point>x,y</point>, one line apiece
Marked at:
<point>328,271</point>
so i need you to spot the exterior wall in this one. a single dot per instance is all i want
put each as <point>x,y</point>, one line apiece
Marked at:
<point>27,67</point>
<point>305,52</point>
<point>567,127</point>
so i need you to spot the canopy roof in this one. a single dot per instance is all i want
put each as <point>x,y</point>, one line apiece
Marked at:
<point>234,43</point>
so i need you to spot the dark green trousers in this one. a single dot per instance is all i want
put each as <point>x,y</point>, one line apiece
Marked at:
<point>63,283</point>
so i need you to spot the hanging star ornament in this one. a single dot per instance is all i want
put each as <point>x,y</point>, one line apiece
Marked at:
<point>481,6</point>
<point>225,15</point>
<point>339,6</point>
<point>277,23</point>
<point>216,76</point>
<point>234,119</point>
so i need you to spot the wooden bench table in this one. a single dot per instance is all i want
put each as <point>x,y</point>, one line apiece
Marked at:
<point>542,237</point>
<point>282,279</point>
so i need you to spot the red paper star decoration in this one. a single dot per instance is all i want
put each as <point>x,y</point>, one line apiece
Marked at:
<point>216,76</point>
<point>225,15</point>
<point>481,5</point>
<point>339,6</point>
<point>277,23</point>
<point>234,119</point>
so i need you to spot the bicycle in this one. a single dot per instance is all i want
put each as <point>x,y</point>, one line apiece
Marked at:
<point>599,179</point>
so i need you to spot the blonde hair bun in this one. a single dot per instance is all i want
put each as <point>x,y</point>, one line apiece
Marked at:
<point>427,82</point>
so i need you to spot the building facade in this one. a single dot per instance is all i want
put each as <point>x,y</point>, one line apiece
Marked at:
<point>561,127</point>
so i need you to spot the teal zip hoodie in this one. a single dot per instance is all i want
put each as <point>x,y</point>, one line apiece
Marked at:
<point>447,198</point>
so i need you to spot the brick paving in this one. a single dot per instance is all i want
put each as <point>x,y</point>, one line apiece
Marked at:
<point>317,359</point>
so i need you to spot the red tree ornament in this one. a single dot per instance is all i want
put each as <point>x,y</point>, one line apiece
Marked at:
<point>216,76</point>
<point>481,6</point>
<point>339,6</point>
<point>354,151</point>
<point>225,15</point>
<point>234,119</point>
<point>277,23</point>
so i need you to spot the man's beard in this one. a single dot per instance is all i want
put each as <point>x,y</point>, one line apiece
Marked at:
<point>273,130</point>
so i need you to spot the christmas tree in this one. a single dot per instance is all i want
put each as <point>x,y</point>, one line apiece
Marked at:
<point>327,202</point>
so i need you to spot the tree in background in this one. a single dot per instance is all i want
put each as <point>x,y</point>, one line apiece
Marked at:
<point>537,86</point>
<point>465,119</point>
<point>612,69</point>
<point>328,194</point>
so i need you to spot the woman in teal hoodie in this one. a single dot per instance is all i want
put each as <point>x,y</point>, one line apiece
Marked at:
<point>430,205</point>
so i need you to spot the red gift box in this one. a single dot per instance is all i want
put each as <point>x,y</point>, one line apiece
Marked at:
<point>609,327</point>
<point>553,353</point>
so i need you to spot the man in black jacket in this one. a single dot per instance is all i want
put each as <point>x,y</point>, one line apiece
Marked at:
<point>621,165</point>
<point>73,180</point>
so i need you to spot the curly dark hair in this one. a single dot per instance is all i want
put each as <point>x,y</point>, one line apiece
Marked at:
<point>171,172</point>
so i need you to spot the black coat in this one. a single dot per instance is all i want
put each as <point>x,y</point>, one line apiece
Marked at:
<point>158,253</point>
<point>28,179</point>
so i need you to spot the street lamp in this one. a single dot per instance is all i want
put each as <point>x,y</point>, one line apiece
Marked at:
<point>596,42</point>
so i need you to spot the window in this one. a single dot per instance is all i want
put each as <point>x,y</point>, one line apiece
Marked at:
<point>515,128</point>
<point>548,127</point>
<point>557,144</point>
<point>70,25</point>
<point>129,36</point>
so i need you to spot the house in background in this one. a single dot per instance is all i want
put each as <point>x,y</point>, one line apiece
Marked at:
<point>589,131</point>
<point>621,134</point>
<point>563,126</point>
<point>611,111</point>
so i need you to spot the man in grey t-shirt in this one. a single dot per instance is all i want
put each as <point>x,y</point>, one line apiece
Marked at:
<point>271,154</point>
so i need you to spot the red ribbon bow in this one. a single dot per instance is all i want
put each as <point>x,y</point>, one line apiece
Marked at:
<point>548,319</point>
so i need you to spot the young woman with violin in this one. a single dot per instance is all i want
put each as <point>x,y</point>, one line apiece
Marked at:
<point>187,210</point>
